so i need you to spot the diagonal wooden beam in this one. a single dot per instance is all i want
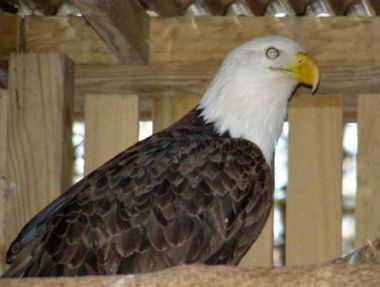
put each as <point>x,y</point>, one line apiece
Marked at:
<point>123,25</point>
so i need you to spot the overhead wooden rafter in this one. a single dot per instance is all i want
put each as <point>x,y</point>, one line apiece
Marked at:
<point>123,25</point>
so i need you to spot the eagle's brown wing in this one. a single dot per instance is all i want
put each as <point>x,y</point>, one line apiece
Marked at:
<point>166,201</point>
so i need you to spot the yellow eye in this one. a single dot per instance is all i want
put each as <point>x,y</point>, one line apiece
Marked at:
<point>272,53</point>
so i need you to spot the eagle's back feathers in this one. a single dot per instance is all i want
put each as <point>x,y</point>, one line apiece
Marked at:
<point>183,195</point>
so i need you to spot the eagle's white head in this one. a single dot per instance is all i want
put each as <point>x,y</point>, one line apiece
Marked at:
<point>248,97</point>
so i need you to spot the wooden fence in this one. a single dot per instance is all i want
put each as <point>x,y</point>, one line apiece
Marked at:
<point>45,94</point>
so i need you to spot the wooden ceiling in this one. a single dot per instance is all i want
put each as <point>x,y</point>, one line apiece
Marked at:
<point>170,8</point>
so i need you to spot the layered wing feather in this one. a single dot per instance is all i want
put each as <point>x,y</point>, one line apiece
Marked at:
<point>181,196</point>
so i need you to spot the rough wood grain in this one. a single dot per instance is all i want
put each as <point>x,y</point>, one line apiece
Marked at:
<point>111,123</point>
<point>368,166</point>
<point>314,204</point>
<point>331,40</point>
<point>178,80</point>
<point>222,276</point>
<point>68,35</point>
<point>9,34</point>
<point>346,40</point>
<point>261,252</point>
<point>39,135</point>
<point>123,25</point>
<point>3,163</point>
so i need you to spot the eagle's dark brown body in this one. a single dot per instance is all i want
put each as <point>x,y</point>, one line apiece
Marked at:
<point>183,195</point>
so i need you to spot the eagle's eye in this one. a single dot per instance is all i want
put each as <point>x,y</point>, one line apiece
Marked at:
<point>272,53</point>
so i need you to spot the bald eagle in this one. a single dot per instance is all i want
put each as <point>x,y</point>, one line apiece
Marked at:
<point>198,191</point>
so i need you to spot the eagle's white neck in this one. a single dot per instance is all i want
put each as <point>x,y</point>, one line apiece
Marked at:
<point>248,106</point>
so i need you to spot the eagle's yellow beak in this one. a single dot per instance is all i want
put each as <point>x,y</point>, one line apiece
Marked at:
<point>304,70</point>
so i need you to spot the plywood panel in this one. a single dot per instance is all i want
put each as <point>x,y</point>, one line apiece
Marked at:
<point>368,167</point>
<point>111,123</point>
<point>313,211</point>
<point>3,184</point>
<point>168,109</point>
<point>39,135</point>
<point>68,35</point>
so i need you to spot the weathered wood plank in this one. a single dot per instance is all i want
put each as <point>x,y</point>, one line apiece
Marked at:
<point>261,252</point>
<point>111,123</point>
<point>39,135</point>
<point>168,109</point>
<point>368,166</point>
<point>313,211</point>
<point>208,39</point>
<point>158,80</point>
<point>9,34</point>
<point>123,25</point>
<point>3,162</point>
<point>68,35</point>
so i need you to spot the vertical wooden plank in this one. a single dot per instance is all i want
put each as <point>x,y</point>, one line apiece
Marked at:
<point>261,252</point>
<point>168,109</point>
<point>314,204</point>
<point>3,158</point>
<point>39,135</point>
<point>368,166</point>
<point>111,126</point>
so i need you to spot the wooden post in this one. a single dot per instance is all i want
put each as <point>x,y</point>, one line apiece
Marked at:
<point>39,157</point>
<point>112,125</point>
<point>3,158</point>
<point>261,252</point>
<point>313,211</point>
<point>368,166</point>
<point>168,109</point>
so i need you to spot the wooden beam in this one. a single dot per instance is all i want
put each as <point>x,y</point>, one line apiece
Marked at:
<point>123,25</point>
<point>3,183</point>
<point>159,80</point>
<point>314,204</point>
<point>112,125</point>
<point>67,35</point>
<point>39,163</point>
<point>368,166</point>
<point>9,34</point>
<point>208,39</point>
